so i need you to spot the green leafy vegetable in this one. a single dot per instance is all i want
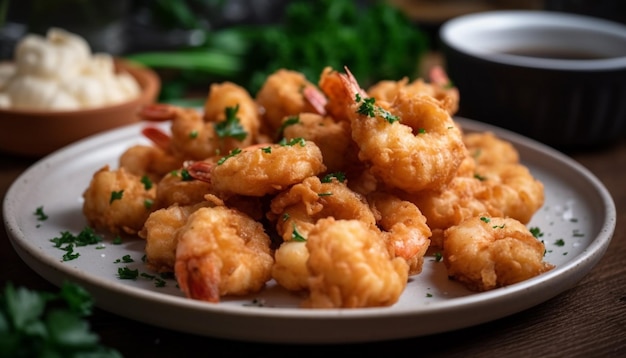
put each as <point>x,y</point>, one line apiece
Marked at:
<point>43,324</point>
<point>376,42</point>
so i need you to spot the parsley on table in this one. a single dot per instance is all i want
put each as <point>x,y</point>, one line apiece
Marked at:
<point>43,324</point>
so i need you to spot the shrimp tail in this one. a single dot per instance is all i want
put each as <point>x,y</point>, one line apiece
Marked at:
<point>158,137</point>
<point>199,278</point>
<point>157,112</point>
<point>200,170</point>
<point>316,99</point>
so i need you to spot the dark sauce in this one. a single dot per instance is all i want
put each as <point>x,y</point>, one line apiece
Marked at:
<point>556,54</point>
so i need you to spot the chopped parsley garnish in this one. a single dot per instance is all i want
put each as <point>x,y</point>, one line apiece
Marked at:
<point>286,216</point>
<point>41,216</point>
<point>325,194</point>
<point>124,259</point>
<point>231,127</point>
<point>67,241</point>
<point>125,273</point>
<point>479,177</point>
<point>147,183</point>
<point>193,134</point>
<point>116,195</point>
<point>158,282</point>
<point>438,256</point>
<point>148,204</point>
<point>485,219</point>
<point>367,107</point>
<point>536,232</point>
<point>267,149</point>
<point>560,242</point>
<point>184,175</point>
<point>286,123</point>
<point>340,176</point>
<point>284,142</point>
<point>231,154</point>
<point>117,240</point>
<point>296,236</point>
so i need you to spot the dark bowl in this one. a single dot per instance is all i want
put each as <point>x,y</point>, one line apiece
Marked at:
<point>555,77</point>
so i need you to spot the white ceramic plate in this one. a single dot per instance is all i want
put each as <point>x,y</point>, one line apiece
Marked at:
<point>578,210</point>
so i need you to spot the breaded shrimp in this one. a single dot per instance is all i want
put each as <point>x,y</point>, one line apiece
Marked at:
<point>296,210</point>
<point>512,189</point>
<point>229,104</point>
<point>439,88</point>
<point>159,231</point>
<point>149,160</point>
<point>283,95</point>
<point>487,252</point>
<point>262,169</point>
<point>332,137</point>
<point>412,145</point>
<point>351,267</point>
<point>404,228</point>
<point>289,269</point>
<point>117,201</point>
<point>191,138</point>
<point>175,188</point>
<point>221,252</point>
<point>487,149</point>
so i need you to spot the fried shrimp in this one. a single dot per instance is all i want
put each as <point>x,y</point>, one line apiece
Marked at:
<point>159,231</point>
<point>484,253</point>
<point>351,267</point>
<point>175,188</point>
<point>413,145</point>
<point>221,252</point>
<point>404,228</point>
<point>149,160</point>
<point>439,88</point>
<point>461,199</point>
<point>487,149</point>
<point>117,201</point>
<point>191,137</point>
<point>339,104</point>
<point>512,189</point>
<point>284,94</point>
<point>296,210</point>
<point>332,137</point>
<point>234,114</point>
<point>289,269</point>
<point>262,169</point>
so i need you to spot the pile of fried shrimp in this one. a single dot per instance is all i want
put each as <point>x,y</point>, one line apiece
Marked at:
<point>333,191</point>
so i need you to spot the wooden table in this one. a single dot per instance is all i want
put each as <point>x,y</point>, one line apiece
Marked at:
<point>589,320</point>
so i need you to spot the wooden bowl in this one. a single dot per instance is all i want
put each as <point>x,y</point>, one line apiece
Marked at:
<point>38,133</point>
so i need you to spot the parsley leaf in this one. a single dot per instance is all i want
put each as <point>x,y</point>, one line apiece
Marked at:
<point>231,127</point>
